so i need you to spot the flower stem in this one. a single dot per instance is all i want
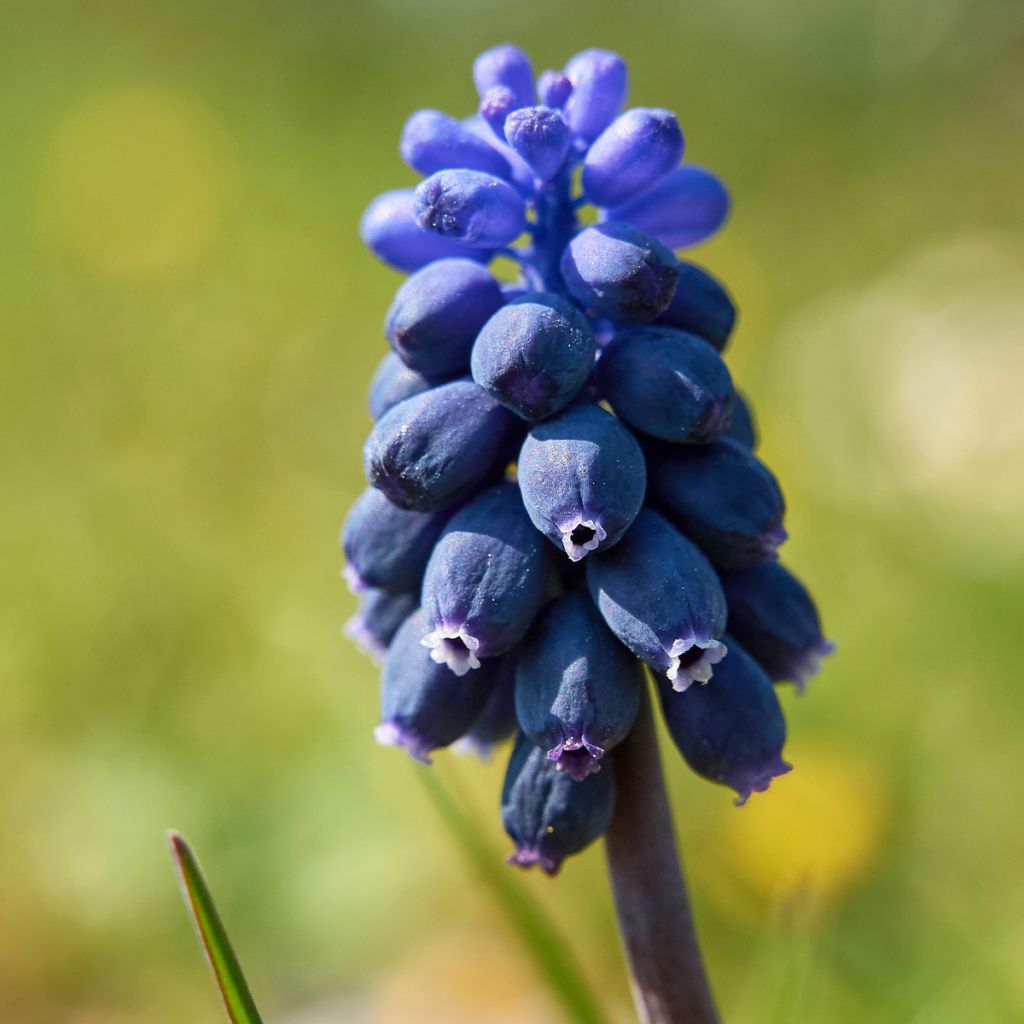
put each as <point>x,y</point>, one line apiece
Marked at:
<point>666,971</point>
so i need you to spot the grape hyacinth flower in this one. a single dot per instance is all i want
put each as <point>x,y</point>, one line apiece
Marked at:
<point>564,491</point>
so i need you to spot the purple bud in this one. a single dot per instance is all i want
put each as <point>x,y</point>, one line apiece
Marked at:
<point>583,478</point>
<point>534,355</point>
<point>425,706</point>
<point>541,137</point>
<point>497,721</point>
<point>667,383</point>
<point>620,273</point>
<point>554,89</point>
<point>374,625</point>
<point>661,598</point>
<point>392,383</point>
<point>774,617</point>
<point>689,206</point>
<point>742,427</point>
<point>438,312</point>
<point>390,230</point>
<point>471,207</point>
<point>723,498</point>
<point>520,174</point>
<point>495,106</point>
<point>387,547</point>
<point>485,581</point>
<point>549,816</point>
<point>577,687</point>
<point>599,82</point>
<point>700,305</point>
<point>436,448</point>
<point>636,151</point>
<point>432,141</point>
<point>508,66</point>
<point>731,731</point>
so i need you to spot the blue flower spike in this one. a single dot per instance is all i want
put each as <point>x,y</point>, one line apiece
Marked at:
<point>563,486</point>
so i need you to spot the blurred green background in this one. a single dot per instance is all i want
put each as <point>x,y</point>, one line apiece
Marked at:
<point>189,324</point>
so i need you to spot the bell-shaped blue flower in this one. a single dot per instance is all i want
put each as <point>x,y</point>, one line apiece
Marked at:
<point>375,623</point>
<point>599,82</point>
<point>731,731</point>
<point>661,598</point>
<point>393,382</point>
<point>485,582</point>
<point>577,687</point>
<point>470,206</point>
<point>583,479</point>
<point>432,141</point>
<point>700,305</point>
<point>547,814</point>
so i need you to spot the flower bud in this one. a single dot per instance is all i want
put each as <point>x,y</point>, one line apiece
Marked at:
<point>772,614</point>
<point>689,206</point>
<point>437,313</point>
<point>554,89</point>
<point>723,498</point>
<point>661,598</point>
<point>549,816</point>
<point>436,448</point>
<point>731,731</point>
<point>667,383</point>
<point>497,721</point>
<point>541,137</point>
<point>470,206</point>
<point>505,65</point>
<point>534,355</point>
<point>620,273</point>
<point>432,141</point>
<point>374,625</point>
<point>495,106</point>
<point>636,151</point>
<point>583,479</point>
<point>485,581</point>
<point>577,687</point>
<point>393,382</point>
<point>700,305</point>
<point>599,82</point>
<point>520,174</point>
<point>387,547</point>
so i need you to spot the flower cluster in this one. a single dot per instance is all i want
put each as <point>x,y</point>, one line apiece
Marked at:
<point>563,480</point>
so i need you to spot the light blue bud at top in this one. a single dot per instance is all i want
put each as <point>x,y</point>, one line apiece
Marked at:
<point>437,313</point>
<point>495,106</point>
<point>577,687</point>
<point>485,581</point>
<point>667,383</point>
<point>436,448</point>
<point>723,498</point>
<point>374,625</point>
<point>620,273</point>
<point>731,731</point>
<point>432,141</point>
<point>772,614</point>
<point>470,206</point>
<point>636,151</point>
<point>689,206</point>
<point>541,137</point>
<point>583,479</point>
<point>497,721</point>
<point>549,816</point>
<point>661,598</point>
<point>599,83</point>
<point>700,305</point>
<point>387,547</point>
<point>393,382</point>
<point>534,355</point>
<point>390,230</point>
<point>425,706</point>
<point>508,66</point>
<point>742,426</point>
<point>554,89</point>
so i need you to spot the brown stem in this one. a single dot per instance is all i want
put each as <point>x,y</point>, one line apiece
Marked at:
<point>666,971</point>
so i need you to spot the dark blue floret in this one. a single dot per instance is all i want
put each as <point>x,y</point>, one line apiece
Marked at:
<point>432,141</point>
<point>470,206</point>
<point>534,355</point>
<point>424,705</point>
<point>742,427</point>
<point>723,498</point>
<point>548,815</point>
<point>700,305</point>
<point>393,382</point>
<point>485,581</point>
<point>436,448</point>
<point>772,614</point>
<point>577,687</point>
<point>437,313</point>
<point>731,731</point>
<point>583,479</point>
<point>667,383</point>
<point>661,598</point>
<point>387,547</point>
<point>374,625</point>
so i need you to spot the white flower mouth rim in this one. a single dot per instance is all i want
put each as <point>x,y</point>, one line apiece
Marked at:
<point>701,670</point>
<point>453,646</point>
<point>577,552</point>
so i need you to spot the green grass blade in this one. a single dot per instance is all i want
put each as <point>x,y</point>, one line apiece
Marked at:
<point>549,950</point>
<point>238,1000</point>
